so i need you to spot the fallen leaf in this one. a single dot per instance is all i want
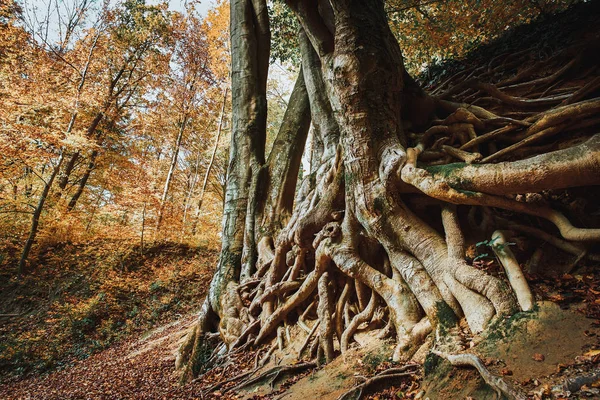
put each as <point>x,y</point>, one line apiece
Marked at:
<point>538,357</point>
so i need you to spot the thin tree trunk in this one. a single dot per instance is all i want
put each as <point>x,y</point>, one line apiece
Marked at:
<point>172,167</point>
<point>188,198</point>
<point>143,227</point>
<point>28,185</point>
<point>69,165</point>
<point>48,185</point>
<point>36,216</point>
<point>83,181</point>
<point>89,224</point>
<point>210,164</point>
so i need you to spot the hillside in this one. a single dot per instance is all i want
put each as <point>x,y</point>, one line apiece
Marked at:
<point>82,298</point>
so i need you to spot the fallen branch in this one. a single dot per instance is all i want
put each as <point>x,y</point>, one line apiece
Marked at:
<point>574,384</point>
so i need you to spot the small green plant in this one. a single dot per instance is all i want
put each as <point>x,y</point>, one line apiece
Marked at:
<point>488,244</point>
<point>156,286</point>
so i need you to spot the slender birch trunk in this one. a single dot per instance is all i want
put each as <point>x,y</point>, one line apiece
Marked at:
<point>210,164</point>
<point>172,167</point>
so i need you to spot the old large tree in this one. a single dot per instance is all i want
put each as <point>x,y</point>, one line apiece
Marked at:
<point>397,175</point>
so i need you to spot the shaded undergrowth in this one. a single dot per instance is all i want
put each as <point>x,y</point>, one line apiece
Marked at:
<point>81,298</point>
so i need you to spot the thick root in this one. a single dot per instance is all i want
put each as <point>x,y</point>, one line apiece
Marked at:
<point>324,312</point>
<point>513,271</point>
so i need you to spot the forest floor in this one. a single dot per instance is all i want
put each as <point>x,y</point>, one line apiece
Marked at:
<point>538,352</point>
<point>103,321</point>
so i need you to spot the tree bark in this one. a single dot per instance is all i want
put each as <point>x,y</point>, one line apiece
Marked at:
<point>83,181</point>
<point>250,47</point>
<point>35,220</point>
<point>70,164</point>
<point>356,227</point>
<point>284,161</point>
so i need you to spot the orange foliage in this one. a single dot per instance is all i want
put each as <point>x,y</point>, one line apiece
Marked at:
<point>131,65</point>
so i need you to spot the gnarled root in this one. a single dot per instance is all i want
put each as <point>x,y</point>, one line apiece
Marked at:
<point>387,376</point>
<point>440,189</point>
<point>324,312</point>
<point>273,374</point>
<point>364,316</point>
<point>496,382</point>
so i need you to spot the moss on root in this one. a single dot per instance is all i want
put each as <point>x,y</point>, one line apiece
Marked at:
<point>447,171</point>
<point>446,316</point>
<point>431,363</point>
<point>200,353</point>
<point>502,328</point>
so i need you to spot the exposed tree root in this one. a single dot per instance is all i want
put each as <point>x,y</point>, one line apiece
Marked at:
<point>388,376</point>
<point>324,310</point>
<point>496,382</point>
<point>574,248</point>
<point>574,384</point>
<point>441,190</point>
<point>273,374</point>
<point>364,316</point>
<point>513,270</point>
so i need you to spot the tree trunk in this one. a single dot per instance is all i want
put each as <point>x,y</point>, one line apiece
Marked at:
<point>143,227</point>
<point>192,187</point>
<point>210,164</point>
<point>70,164</point>
<point>83,181</point>
<point>172,167</point>
<point>250,45</point>
<point>284,161</point>
<point>35,220</point>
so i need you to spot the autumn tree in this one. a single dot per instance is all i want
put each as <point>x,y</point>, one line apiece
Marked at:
<point>135,52</point>
<point>189,78</point>
<point>75,82</point>
<point>67,98</point>
<point>397,172</point>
